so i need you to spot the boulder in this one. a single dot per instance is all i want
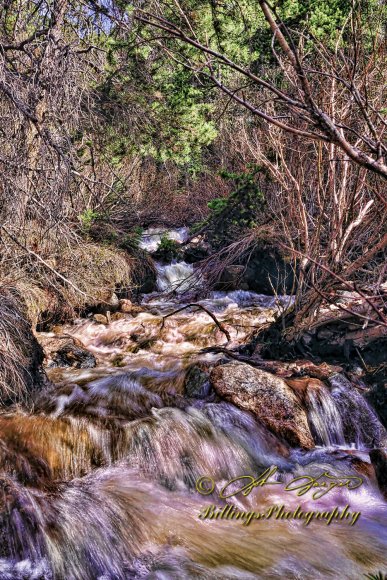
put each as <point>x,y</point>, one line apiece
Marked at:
<point>268,272</point>
<point>231,278</point>
<point>268,397</point>
<point>127,307</point>
<point>111,304</point>
<point>65,351</point>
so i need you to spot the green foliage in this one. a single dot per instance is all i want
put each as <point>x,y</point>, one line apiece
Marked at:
<point>131,241</point>
<point>168,247</point>
<point>242,210</point>
<point>87,218</point>
<point>218,204</point>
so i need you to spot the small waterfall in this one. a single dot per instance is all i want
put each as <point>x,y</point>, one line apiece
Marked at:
<point>324,417</point>
<point>246,298</point>
<point>178,277</point>
<point>262,445</point>
<point>151,237</point>
<point>360,424</point>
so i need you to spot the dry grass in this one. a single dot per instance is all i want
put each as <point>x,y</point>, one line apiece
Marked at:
<point>20,353</point>
<point>74,275</point>
<point>95,270</point>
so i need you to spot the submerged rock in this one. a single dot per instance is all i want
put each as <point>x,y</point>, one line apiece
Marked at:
<point>197,384</point>
<point>268,397</point>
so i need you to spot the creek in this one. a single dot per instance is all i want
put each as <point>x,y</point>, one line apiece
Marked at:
<point>99,481</point>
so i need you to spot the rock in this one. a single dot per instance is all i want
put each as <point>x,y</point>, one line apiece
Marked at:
<point>303,385</point>
<point>196,251</point>
<point>268,397</point>
<point>126,305</point>
<point>66,351</point>
<point>111,304</point>
<point>117,316</point>
<point>230,278</point>
<point>267,271</point>
<point>100,318</point>
<point>379,461</point>
<point>197,383</point>
<point>377,397</point>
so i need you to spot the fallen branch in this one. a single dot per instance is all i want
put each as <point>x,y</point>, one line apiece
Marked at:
<point>200,307</point>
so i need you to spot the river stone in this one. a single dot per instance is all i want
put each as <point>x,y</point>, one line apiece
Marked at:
<point>65,351</point>
<point>231,278</point>
<point>268,397</point>
<point>100,318</point>
<point>196,382</point>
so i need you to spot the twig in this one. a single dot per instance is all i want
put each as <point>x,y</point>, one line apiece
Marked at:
<point>199,306</point>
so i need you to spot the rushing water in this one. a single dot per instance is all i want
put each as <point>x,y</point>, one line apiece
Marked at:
<point>99,481</point>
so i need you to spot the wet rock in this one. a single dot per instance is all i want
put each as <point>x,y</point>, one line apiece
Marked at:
<point>126,305</point>
<point>167,255</point>
<point>231,278</point>
<point>66,352</point>
<point>196,251</point>
<point>197,381</point>
<point>379,461</point>
<point>111,304</point>
<point>298,368</point>
<point>267,272</point>
<point>301,386</point>
<point>117,316</point>
<point>268,397</point>
<point>377,397</point>
<point>100,318</point>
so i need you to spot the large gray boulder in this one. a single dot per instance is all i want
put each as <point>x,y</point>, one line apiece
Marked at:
<point>268,397</point>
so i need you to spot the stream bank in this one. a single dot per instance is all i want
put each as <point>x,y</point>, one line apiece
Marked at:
<point>99,480</point>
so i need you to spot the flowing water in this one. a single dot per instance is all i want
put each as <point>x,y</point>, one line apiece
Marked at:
<point>99,482</point>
